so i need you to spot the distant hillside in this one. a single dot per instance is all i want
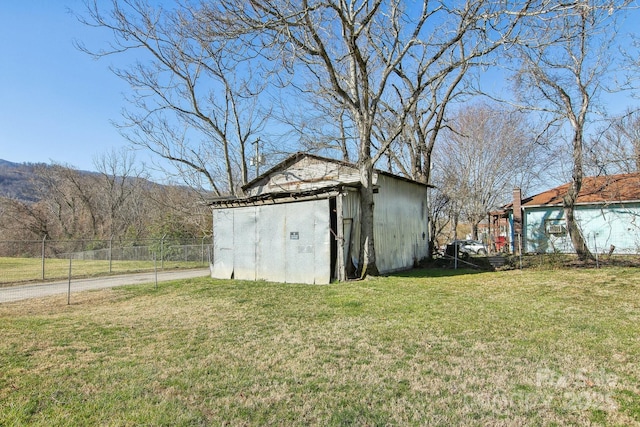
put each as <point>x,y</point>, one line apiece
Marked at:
<point>15,180</point>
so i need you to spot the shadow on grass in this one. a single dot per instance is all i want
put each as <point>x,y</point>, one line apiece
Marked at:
<point>423,272</point>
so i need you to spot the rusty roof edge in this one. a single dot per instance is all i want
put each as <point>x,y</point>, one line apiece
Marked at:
<point>281,197</point>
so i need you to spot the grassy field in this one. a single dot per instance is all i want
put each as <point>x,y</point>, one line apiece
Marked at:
<point>428,348</point>
<point>18,270</point>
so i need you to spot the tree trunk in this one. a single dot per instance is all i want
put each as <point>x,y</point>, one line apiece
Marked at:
<point>367,259</point>
<point>577,239</point>
<point>569,202</point>
<point>474,230</point>
<point>576,235</point>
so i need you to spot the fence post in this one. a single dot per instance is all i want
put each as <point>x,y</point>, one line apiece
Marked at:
<point>43,247</point>
<point>202,248</point>
<point>162,252</point>
<point>69,287</point>
<point>110,253</point>
<point>155,268</point>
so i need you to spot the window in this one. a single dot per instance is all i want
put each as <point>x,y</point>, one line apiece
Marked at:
<point>555,227</point>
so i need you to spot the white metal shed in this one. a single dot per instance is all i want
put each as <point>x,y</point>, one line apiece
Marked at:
<point>299,222</point>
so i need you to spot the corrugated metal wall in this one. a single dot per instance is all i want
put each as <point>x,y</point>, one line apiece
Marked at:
<point>351,228</point>
<point>401,224</point>
<point>286,242</point>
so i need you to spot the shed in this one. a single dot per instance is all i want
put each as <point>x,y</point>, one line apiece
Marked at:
<point>299,223</point>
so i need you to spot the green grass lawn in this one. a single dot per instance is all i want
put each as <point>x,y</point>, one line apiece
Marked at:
<point>428,348</point>
<point>17,270</point>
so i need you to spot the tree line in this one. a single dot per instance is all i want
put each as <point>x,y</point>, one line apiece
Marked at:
<point>117,203</point>
<point>383,83</point>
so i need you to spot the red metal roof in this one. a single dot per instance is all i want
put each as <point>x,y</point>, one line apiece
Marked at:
<point>595,189</point>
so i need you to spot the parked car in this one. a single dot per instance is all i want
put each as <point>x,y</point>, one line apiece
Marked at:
<point>469,247</point>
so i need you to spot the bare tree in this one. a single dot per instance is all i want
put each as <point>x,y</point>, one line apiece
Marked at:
<point>615,148</point>
<point>564,60</point>
<point>464,37</point>
<point>367,58</point>
<point>486,151</point>
<point>70,201</point>
<point>119,184</point>
<point>349,52</point>
<point>21,220</point>
<point>195,94</point>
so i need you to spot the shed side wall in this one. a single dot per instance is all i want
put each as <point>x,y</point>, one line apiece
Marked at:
<point>401,224</point>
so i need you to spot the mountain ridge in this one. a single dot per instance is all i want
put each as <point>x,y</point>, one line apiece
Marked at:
<point>15,182</point>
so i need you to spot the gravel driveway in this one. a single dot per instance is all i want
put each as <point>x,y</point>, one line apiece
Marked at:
<point>38,290</point>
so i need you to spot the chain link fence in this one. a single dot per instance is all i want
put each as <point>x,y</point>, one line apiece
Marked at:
<point>48,260</point>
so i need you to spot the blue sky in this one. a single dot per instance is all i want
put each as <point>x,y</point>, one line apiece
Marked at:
<point>56,103</point>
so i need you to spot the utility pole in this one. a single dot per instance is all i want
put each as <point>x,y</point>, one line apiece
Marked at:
<point>258,159</point>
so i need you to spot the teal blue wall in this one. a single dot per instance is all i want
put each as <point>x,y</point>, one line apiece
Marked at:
<point>602,227</point>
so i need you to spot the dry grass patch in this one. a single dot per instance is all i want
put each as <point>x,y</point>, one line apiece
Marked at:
<point>508,348</point>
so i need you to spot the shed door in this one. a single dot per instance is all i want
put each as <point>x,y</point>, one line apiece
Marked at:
<point>270,260</point>
<point>307,244</point>
<point>244,243</point>
<point>222,267</point>
<point>287,242</point>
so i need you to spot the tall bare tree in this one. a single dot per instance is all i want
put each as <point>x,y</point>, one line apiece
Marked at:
<point>564,61</point>
<point>463,37</point>
<point>369,57</point>
<point>194,93</point>
<point>348,51</point>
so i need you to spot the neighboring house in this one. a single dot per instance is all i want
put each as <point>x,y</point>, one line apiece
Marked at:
<point>299,222</point>
<point>607,212</point>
